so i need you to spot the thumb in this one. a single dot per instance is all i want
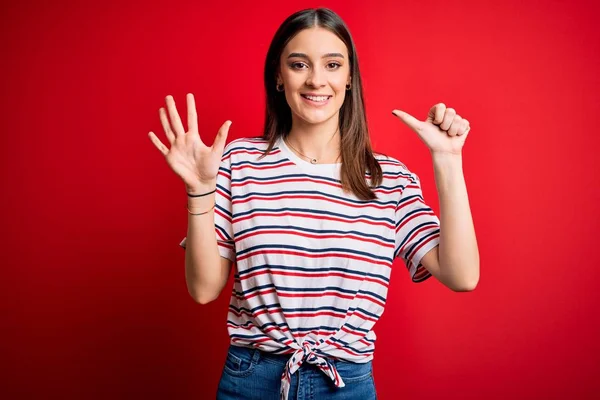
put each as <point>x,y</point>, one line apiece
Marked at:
<point>221,138</point>
<point>408,119</point>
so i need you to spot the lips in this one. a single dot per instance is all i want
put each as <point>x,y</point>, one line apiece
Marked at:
<point>317,98</point>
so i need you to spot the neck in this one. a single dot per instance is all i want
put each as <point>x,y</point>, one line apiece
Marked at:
<point>320,141</point>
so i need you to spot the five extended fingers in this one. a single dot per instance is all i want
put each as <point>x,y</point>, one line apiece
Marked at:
<point>174,128</point>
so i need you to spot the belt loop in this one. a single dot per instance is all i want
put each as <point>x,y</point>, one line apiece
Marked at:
<point>256,356</point>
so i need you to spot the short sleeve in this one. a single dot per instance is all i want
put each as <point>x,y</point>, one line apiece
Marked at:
<point>417,228</point>
<point>223,210</point>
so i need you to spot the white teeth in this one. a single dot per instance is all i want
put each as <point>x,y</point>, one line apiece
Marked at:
<point>317,98</point>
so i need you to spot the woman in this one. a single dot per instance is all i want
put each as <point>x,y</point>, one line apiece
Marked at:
<point>313,220</point>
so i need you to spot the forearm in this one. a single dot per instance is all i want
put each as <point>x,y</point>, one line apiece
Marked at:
<point>458,252</point>
<point>203,274</point>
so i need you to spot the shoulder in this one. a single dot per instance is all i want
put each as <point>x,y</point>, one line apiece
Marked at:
<point>245,145</point>
<point>394,169</point>
<point>388,161</point>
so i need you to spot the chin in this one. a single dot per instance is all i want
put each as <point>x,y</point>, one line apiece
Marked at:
<point>313,120</point>
<point>316,117</point>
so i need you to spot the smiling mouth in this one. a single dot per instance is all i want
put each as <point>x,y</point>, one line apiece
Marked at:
<point>316,99</point>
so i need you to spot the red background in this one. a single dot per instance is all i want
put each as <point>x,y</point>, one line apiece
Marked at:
<point>94,299</point>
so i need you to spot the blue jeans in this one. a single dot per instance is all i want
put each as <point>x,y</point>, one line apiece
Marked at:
<point>254,374</point>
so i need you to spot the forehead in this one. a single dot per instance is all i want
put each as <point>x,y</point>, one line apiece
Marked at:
<point>314,42</point>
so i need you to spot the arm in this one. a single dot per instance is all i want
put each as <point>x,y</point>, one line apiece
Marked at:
<point>206,272</point>
<point>455,262</point>
<point>198,166</point>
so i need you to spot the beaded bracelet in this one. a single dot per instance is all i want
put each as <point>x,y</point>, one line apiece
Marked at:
<point>203,194</point>
<point>188,208</point>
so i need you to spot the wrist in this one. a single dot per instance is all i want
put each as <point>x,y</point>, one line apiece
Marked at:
<point>193,211</point>
<point>201,187</point>
<point>196,204</point>
<point>444,159</point>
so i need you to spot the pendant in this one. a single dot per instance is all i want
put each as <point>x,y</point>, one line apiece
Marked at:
<point>313,161</point>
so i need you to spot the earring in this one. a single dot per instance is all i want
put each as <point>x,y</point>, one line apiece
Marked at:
<point>279,87</point>
<point>348,87</point>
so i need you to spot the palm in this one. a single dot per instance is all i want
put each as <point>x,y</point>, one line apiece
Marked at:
<point>193,161</point>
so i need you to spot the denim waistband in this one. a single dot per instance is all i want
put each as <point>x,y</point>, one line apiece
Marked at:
<point>291,363</point>
<point>254,353</point>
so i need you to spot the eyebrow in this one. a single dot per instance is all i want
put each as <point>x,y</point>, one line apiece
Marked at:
<point>302,55</point>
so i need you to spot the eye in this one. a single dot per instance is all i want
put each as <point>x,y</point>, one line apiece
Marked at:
<point>333,65</point>
<point>298,65</point>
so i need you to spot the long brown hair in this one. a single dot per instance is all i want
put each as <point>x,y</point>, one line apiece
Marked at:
<point>356,154</point>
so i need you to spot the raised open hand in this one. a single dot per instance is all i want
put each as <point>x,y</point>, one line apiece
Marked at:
<point>194,162</point>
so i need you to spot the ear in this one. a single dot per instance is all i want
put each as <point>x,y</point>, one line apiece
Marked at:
<point>349,80</point>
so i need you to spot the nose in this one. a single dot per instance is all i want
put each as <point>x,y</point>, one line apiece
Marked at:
<point>316,78</point>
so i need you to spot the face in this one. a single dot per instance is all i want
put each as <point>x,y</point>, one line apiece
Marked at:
<point>314,70</point>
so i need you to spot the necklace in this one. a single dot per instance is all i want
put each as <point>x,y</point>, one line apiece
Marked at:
<point>311,159</point>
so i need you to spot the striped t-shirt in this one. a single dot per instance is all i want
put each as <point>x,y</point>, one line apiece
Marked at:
<point>313,263</point>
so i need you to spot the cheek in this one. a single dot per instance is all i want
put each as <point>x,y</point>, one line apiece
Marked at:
<point>340,89</point>
<point>292,80</point>
<point>338,83</point>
